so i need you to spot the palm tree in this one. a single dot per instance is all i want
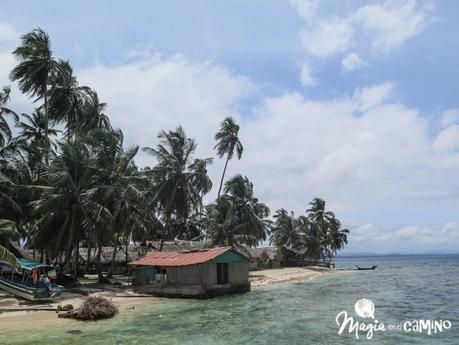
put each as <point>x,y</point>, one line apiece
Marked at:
<point>223,225</point>
<point>176,188</point>
<point>71,202</point>
<point>33,132</point>
<point>251,213</point>
<point>227,143</point>
<point>336,238</point>
<point>9,258</point>
<point>36,67</point>
<point>66,98</point>
<point>284,232</point>
<point>115,168</point>
<point>317,213</point>
<point>311,239</point>
<point>92,114</point>
<point>5,131</point>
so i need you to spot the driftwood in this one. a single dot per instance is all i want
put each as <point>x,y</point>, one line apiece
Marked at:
<point>93,308</point>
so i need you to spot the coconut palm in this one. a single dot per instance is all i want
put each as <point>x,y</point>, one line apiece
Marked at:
<point>311,239</point>
<point>316,212</point>
<point>9,258</point>
<point>228,143</point>
<point>9,208</point>
<point>91,115</point>
<point>176,188</point>
<point>115,168</point>
<point>336,238</point>
<point>33,129</point>
<point>5,130</point>
<point>251,213</point>
<point>223,225</point>
<point>66,98</point>
<point>36,67</point>
<point>71,202</point>
<point>284,232</point>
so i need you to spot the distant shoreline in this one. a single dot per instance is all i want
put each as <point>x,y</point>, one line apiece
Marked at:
<point>370,255</point>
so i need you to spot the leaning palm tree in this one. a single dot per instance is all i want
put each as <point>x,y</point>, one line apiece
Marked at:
<point>5,130</point>
<point>66,98</point>
<point>175,187</point>
<point>35,68</point>
<point>227,143</point>
<point>91,113</point>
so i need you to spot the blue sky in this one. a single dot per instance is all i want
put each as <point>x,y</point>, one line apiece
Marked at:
<point>352,101</point>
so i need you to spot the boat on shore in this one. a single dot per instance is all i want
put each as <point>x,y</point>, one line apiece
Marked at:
<point>34,281</point>
<point>366,268</point>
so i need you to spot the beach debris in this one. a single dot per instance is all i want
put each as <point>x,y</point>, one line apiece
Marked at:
<point>93,308</point>
<point>65,307</point>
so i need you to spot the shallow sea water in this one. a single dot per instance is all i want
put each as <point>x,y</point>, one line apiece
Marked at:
<point>402,288</point>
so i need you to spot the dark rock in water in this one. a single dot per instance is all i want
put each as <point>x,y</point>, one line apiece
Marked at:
<point>74,331</point>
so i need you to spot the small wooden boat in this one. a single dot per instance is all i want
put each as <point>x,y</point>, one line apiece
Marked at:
<point>365,268</point>
<point>34,281</point>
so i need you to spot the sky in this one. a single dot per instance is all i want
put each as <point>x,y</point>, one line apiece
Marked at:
<point>355,102</point>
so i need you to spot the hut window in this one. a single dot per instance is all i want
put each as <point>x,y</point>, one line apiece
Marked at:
<point>222,273</point>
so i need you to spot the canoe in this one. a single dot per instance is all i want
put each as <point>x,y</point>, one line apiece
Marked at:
<point>22,284</point>
<point>365,268</point>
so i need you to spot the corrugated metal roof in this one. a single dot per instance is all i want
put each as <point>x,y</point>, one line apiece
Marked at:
<point>180,258</point>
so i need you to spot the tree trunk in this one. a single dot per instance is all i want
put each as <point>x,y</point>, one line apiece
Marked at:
<point>46,123</point>
<point>75,258</point>
<point>163,237</point>
<point>113,263</point>
<point>88,257</point>
<point>41,255</point>
<point>70,240</point>
<point>100,276</point>
<point>126,252</point>
<point>223,177</point>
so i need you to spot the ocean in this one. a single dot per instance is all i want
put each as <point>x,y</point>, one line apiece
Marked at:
<point>403,289</point>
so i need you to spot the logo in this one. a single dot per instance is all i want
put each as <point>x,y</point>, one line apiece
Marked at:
<point>364,308</point>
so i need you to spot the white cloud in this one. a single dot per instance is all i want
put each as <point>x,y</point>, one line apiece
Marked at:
<point>305,8</point>
<point>369,97</point>
<point>328,37</point>
<point>158,93</point>
<point>392,23</point>
<point>352,62</point>
<point>449,117</point>
<point>378,27</point>
<point>448,139</point>
<point>408,239</point>
<point>306,78</point>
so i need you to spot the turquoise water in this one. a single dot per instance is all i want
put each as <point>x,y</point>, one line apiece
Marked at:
<point>402,288</point>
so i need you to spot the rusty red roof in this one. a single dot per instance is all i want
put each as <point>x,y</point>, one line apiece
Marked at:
<point>181,258</point>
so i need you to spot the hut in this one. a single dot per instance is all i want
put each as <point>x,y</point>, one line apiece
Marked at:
<point>196,273</point>
<point>264,257</point>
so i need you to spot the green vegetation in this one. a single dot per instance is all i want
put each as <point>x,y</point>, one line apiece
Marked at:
<point>316,236</point>
<point>68,181</point>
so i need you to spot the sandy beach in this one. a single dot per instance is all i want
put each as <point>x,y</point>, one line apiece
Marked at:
<point>24,315</point>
